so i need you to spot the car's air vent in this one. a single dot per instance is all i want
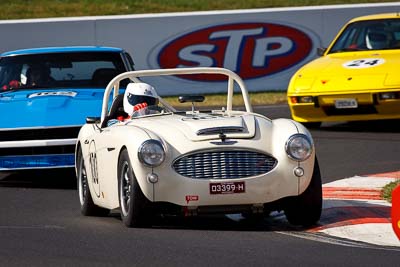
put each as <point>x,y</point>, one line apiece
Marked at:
<point>39,134</point>
<point>218,130</point>
<point>41,150</point>
<point>230,164</point>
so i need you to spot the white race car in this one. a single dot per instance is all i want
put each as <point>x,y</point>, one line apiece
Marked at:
<point>194,162</point>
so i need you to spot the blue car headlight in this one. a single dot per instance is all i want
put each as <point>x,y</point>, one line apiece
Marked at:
<point>299,147</point>
<point>151,153</point>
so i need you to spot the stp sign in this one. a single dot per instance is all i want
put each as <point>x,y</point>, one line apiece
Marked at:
<point>251,50</point>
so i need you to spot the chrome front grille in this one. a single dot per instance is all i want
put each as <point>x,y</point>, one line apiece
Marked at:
<point>231,164</point>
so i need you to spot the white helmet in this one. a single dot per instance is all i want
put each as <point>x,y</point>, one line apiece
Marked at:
<point>138,93</point>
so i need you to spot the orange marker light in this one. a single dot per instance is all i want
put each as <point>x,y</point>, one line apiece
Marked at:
<point>293,99</point>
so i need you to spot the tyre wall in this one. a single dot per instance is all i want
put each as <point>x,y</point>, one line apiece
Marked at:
<point>264,46</point>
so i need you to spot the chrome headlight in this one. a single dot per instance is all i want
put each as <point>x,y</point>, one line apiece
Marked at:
<point>299,147</point>
<point>151,153</point>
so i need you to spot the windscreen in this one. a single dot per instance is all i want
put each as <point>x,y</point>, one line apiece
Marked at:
<point>369,35</point>
<point>60,70</point>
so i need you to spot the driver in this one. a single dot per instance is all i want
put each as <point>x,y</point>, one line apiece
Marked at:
<point>39,75</point>
<point>376,37</point>
<point>137,97</point>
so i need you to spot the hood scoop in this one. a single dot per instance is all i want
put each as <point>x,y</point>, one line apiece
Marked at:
<point>213,127</point>
<point>220,130</point>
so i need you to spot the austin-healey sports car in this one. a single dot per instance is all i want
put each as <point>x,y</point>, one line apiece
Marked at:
<point>355,79</point>
<point>193,162</point>
<point>45,96</point>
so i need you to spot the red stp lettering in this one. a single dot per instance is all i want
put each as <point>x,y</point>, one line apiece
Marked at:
<point>250,49</point>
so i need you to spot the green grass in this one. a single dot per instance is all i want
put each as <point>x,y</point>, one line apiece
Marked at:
<point>24,9</point>
<point>218,100</point>
<point>387,190</point>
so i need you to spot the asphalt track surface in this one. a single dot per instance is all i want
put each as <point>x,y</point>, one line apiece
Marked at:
<point>40,222</point>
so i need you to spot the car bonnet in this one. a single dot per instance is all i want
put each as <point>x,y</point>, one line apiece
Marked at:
<point>199,127</point>
<point>351,71</point>
<point>48,108</point>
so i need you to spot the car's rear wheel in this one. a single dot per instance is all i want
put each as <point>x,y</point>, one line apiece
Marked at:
<point>306,208</point>
<point>88,208</point>
<point>135,207</point>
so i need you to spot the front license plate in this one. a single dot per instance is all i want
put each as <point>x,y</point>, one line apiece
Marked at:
<point>227,188</point>
<point>346,103</point>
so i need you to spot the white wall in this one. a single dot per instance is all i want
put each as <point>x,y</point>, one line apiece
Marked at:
<point>220,40</point>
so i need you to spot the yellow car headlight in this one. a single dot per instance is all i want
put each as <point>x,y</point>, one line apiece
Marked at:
<point>301,99</point>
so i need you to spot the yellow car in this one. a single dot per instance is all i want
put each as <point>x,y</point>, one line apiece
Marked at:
<point>356,78</point>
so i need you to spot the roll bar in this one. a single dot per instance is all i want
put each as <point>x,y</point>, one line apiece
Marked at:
<point>113,85</point>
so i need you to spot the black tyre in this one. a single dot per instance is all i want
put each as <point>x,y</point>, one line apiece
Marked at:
<point>88,208</point>
<point>306,208</point>
<point>135,207</point>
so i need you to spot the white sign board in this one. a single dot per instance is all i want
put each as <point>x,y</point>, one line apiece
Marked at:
<point>264,46</point>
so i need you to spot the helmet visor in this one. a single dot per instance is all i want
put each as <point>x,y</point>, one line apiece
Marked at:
<point>137,99</point>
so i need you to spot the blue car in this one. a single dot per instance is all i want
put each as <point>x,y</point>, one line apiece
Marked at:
<point>46,95</point>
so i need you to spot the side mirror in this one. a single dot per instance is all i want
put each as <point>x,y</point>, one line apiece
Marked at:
<point>190,98</point>
<point>321,51</point>
<point>92,120</point>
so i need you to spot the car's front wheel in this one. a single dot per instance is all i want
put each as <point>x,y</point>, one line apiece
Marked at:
<point>135,207</point>
<point>88,208</point>
<point>306,208</point>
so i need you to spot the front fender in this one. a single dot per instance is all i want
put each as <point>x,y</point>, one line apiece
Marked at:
<point>140,170</point>
<point>283,129</point>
